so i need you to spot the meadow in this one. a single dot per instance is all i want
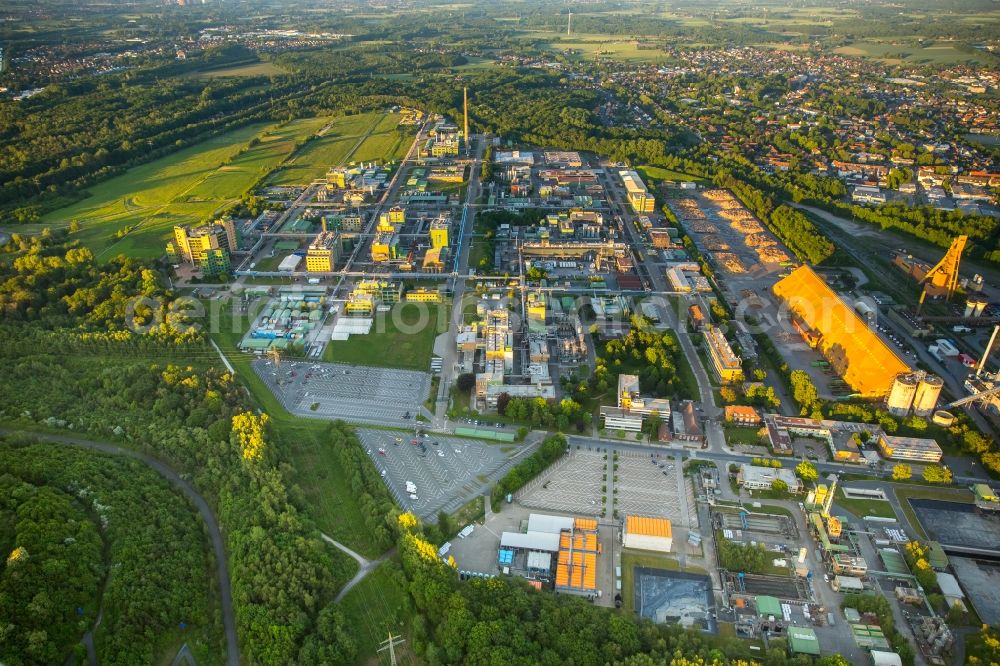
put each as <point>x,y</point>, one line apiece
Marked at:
<point>937,53</point>
<point>345,141</point>
<point>134,213</point>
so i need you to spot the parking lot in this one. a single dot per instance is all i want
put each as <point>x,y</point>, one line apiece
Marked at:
<point>354,393</point>
<point>447,471</point>
<point>572,485</point>
<point>650,487</point>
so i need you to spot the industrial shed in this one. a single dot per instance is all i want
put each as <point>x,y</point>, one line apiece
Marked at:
<point>645,533</point>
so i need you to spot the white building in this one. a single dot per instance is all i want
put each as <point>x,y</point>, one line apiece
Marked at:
<point>754,477</point>
<point>646,533</point>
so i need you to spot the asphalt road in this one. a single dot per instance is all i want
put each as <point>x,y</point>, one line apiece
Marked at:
<point>222,564</point>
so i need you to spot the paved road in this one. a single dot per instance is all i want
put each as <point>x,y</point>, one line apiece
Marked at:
<point>365,566</point>
<point>222,564</point>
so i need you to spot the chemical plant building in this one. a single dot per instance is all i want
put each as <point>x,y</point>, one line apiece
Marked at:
<point>639,197</point>
<point>646,533</point>
<point>909,449</point>
<point>323,252</point>
<point>559,550</point>
<point>208,247</point>
<point>827,323</point>
<point>755,477</point>
<point>726,365</point>
<point>632,408</point>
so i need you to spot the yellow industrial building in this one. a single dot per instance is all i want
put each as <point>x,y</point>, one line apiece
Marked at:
<point>207,246</point>
<point>439,232</point>
<point>727,366</point>
<point>432,261</point>
<point>638,196</point>
<point>323,252</point>
<point>866,363</point>
<point>423,295</point>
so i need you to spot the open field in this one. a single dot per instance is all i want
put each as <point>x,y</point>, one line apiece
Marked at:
<point>184,188</point>
<point>655,173</point>
<point>378,605</point>
<point>252,69</point>
<point>389,347</point>
<point>340,145</point>
<point>938,53</point>
<point>584,46</point>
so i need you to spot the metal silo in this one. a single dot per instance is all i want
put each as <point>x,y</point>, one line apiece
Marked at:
<point>926,397</point>
<point>904,387</point>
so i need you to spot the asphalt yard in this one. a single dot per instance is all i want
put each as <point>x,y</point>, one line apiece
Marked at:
<point>446,472</point>
<point>648,487</point>
<point>573,485</point>
<point>360,394</point>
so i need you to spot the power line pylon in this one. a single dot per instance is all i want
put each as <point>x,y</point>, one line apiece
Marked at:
<point>390,645</point>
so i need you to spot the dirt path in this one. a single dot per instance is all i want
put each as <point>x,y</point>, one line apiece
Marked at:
<point>222,564</point>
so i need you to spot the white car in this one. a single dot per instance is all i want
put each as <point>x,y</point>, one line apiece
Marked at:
<point>413,497</point>
<point>440,454</point>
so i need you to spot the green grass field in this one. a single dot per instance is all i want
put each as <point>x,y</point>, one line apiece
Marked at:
<point>252,69</point>
<point>864,507</point>
<point>655,174</point>
<point>341,144</point>
<point>391,347</point>
<point>378,605</point>
<point>186,187</point>
<point>938,53</point>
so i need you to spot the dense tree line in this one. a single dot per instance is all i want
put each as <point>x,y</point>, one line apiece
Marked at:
<point>73,521</point>
<point>193,416</point>
<point>790,226</point>
<point>550,450</point>
<point>651,354</point>
<point>745,557</point>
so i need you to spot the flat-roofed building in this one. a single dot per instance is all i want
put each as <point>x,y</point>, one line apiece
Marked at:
<point>439,231</point>
<point>848,565</point>
<point>863,359</point>
<point>638,196</point>
<point>323,253</point>
<point>916,449</point>
<point>756,477</point>
<point>728,367</point>
<point>647,533</point>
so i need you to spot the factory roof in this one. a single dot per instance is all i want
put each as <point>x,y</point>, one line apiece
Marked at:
<point>540,522</point>
<point>657,527</point>
<point>802,640</point>
<point>767,605</point>
<point>865,362</point>
<point>542,541</point>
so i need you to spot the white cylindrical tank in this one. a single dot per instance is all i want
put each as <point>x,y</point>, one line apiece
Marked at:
<point>864,309</point>
<point>978,307</point>
<point>943,418</point>
<point>926,397</point>
<point>904,387</point>
<point>970,307</point>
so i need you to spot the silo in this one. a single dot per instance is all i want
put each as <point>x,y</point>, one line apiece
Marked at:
<point>970,307</point>
<point>980,305</point>
<point>926,397</point>
<point>904,386</point>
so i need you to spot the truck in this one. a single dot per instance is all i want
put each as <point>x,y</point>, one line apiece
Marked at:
<point>936,352</point>
<point>313,280</point>
<point>961,329</point>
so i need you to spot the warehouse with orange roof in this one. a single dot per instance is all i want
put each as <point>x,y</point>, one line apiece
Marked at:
<point>857,354</point>
<point>647,533</point>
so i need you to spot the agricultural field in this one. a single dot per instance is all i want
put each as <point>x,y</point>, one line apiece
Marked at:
<point>938,53</point>
<point>346,140</point>
<point>134,213</point>
<point>586,46</point>
<point>252,69</point>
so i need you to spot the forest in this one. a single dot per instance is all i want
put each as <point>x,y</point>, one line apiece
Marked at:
<point>189,414</point>
<point>85,534</point>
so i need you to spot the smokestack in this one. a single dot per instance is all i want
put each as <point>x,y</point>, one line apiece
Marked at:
<point>986,354</point>
<point>465,104</point>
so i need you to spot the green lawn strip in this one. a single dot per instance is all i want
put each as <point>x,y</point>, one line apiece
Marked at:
<point>864,507</point>
<point>390,347</point>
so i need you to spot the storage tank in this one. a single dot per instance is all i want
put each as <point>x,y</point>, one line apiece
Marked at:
<point>864,309</point>
<point>979,306</point>
<point>904,386</point>
<point>926,397</point>
<point>943,418</point>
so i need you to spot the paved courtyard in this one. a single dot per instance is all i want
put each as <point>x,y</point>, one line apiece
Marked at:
<point>447,471</point>
<point>381,396</point>
<point>572,485</point>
